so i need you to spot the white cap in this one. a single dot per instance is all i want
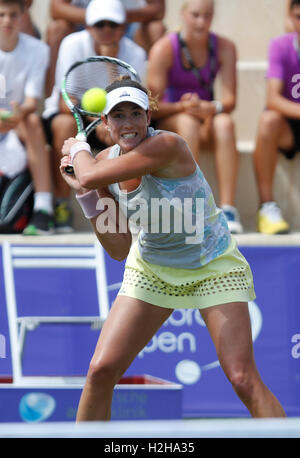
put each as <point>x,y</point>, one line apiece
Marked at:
<point>105,10</point>
<point>126,94</point>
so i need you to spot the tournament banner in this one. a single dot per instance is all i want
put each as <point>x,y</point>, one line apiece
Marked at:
<point>49,285</point>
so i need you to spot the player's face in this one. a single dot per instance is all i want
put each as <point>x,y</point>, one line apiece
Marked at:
<point>128,125</point>
<point>10,20</point>
<point>295,17</point>
<point>197,17</point>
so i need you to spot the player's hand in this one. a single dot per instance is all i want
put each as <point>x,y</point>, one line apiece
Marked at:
<point>70,179</point>
<point>68,145</point>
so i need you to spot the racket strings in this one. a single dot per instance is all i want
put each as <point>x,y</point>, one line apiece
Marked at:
<point>90,75</point>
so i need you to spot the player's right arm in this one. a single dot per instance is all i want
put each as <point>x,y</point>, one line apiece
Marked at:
<point>117,240</point>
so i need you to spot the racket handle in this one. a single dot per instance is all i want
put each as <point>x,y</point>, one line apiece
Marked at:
<point>81,136</point>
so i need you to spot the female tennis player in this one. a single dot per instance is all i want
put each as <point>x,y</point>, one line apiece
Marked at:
<point>166,268</point>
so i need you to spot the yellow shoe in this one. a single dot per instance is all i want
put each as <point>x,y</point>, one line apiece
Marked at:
<point>270,220</point>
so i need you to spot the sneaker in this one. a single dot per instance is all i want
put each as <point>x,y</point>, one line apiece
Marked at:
<point>233,219</point>
<point>41,223</point>
<point>270,220</point>
<point>63,218</point>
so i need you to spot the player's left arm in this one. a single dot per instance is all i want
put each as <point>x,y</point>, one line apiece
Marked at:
<point>151,155</point>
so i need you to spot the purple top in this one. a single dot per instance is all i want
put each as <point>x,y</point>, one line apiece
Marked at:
<point>181,80</point>
<point>284,64</point>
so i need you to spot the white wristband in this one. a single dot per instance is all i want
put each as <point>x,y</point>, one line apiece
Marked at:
<point>90,203</point>
<point>219,106</point>
<point>79,146</point>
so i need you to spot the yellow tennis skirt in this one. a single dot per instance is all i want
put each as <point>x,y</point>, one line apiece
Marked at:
<point>228,278</point>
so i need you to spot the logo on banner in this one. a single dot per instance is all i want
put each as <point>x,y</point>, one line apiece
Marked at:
<point>188,371</point>
<point>36,407</point>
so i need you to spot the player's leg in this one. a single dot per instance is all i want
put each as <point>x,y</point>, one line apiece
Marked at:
<point>130,325</point>
<point>230,329</point>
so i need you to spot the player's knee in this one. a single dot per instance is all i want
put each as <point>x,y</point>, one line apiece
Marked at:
<point>103,373</point>
<point>242,381</point>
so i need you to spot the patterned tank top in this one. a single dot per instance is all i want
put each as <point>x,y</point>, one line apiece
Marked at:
<point>177,219</point>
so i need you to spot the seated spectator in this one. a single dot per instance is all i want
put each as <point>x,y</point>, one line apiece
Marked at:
<point>27,24</point>
<point>103,36</point>
<point>67,16</point>
<point>182,69</point>
<point>145,21</point>
<point>23,63</point>
<point>279,124</point>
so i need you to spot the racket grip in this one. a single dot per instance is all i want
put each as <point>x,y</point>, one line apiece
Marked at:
<point>81,136</point>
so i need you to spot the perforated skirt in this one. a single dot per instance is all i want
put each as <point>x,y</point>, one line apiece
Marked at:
<point>228,278</point>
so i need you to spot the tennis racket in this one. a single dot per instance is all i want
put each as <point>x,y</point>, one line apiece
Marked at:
<point>100,72</point>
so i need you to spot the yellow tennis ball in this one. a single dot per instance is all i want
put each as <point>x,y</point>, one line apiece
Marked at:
<point>94,100</point>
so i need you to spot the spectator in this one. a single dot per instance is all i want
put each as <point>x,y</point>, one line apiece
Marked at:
<point>68,16</point>
<point>23,64</point>
<point>103,36</point>
<point>279,124</point>
<point>27,24</point>
<point>181,73</point>
<point>145,21</point>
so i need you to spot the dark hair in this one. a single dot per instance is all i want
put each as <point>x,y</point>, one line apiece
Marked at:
<point>294,3</point>
<point>21,3</point>
<point>126,81</point>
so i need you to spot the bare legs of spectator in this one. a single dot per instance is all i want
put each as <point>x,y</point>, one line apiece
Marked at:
<point>148,33</point>
<point>63,126</point>
<point>273,132</point>
<point>221,133</point>
<point>31,133</point>
<point>56,31</point>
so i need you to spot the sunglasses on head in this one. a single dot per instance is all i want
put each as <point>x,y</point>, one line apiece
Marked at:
<point>102,24</point>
